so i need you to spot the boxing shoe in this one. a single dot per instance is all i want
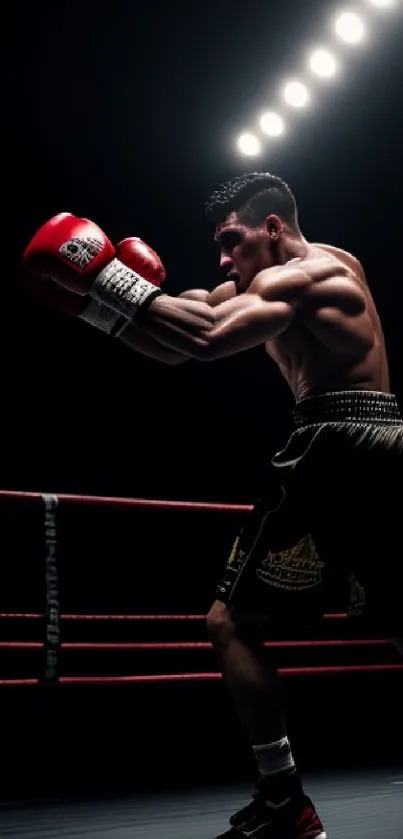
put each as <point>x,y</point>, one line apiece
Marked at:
<point>295,818</point>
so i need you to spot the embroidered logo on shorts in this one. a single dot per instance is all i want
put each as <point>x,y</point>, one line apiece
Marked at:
<point>81,252</point>
<point>233,568</point>
<point>294,569</point>
<point>237,557</point>
<point>357,598</point>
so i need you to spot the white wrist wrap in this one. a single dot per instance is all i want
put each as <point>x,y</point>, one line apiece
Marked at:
<point>100,316</point>
<point>122,289</point>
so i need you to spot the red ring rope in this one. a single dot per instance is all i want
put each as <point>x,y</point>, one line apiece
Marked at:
<point>188,645</point>
<point>144,503</point>
<point>38,616</point>
<point>197,677</point>
<point>147,679</point>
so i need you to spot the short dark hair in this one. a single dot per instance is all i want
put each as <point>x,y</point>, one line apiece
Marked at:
<point>253,197</point>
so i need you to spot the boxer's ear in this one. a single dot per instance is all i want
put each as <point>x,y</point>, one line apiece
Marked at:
<point>274,227</point>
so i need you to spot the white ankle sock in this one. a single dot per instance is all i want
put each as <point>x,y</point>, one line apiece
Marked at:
<point>274,757</point>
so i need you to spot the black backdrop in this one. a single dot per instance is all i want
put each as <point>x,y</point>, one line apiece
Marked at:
<point>126,115</point>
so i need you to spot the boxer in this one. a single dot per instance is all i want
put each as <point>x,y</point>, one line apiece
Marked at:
<point>328,526</point>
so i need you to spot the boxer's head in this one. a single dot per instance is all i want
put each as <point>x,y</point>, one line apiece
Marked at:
<point>255,216</point>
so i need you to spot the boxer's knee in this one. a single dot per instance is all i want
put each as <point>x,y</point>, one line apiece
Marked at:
<point>220,624</point>
<point>225,623</point>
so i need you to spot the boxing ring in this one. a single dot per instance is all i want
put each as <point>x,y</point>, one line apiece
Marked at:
<point>112,592</point>
<point>50,625</point>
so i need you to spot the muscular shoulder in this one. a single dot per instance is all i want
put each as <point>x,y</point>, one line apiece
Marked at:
<point>345,258</point>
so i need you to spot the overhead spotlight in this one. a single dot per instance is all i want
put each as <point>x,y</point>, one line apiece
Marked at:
<point>272,124</point>
<point>249,145</point>
<point>382,3</point>
<point>350,27</point>
<point>323,63</point>
<point>296,94</point>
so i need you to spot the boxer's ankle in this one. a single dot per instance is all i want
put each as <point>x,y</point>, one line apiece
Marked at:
<point>278,777</point>
<point>274,757</point>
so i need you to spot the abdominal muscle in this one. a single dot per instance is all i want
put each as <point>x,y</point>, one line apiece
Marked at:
<point>310,368</point>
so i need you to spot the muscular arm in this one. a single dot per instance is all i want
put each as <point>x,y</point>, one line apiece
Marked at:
<point>320,292</point>
<point>275,297</point>
<point>208,333</point>
<point>143,342</point>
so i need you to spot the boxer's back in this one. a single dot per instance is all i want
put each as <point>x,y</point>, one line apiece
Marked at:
<point>309,366</point>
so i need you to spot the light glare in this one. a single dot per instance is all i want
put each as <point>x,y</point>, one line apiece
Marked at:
<point>272,124</point>
<point>323,63</point>
<point>350,27</point>
<point>296,94</point>
<point>381,3</point>
<point>249,145</point>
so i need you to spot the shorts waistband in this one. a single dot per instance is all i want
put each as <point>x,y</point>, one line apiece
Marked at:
<point>348,406</point>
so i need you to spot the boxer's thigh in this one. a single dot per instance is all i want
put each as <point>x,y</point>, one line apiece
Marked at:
<point>274,569</point>
<point>358,520</point>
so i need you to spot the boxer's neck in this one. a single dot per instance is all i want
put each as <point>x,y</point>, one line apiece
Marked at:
<point>291,246</point>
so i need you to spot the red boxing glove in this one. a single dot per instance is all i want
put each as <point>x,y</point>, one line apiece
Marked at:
<point>42,271</point>
<point>75,305</point>
<point>137,255</point>
<point>70,251</point>
<point>75,254</point>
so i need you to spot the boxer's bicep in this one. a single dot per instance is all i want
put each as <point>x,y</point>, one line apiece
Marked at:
<point>244,323</point>
<point>219,294</point>
<point>199,294</point>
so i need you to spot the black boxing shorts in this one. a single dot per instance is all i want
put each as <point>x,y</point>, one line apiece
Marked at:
<point>329,534</point>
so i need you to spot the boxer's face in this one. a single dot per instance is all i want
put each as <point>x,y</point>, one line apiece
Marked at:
<point>247,250</point>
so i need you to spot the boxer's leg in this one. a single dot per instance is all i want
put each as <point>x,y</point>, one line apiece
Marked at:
<point>254,592</point>
<point>256,691</point>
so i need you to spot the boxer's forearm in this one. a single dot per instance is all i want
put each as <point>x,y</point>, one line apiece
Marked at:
<point>139,340</point>
<point>143,342</point>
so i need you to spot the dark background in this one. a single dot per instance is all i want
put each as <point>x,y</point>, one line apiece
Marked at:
<point>126,113</point>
